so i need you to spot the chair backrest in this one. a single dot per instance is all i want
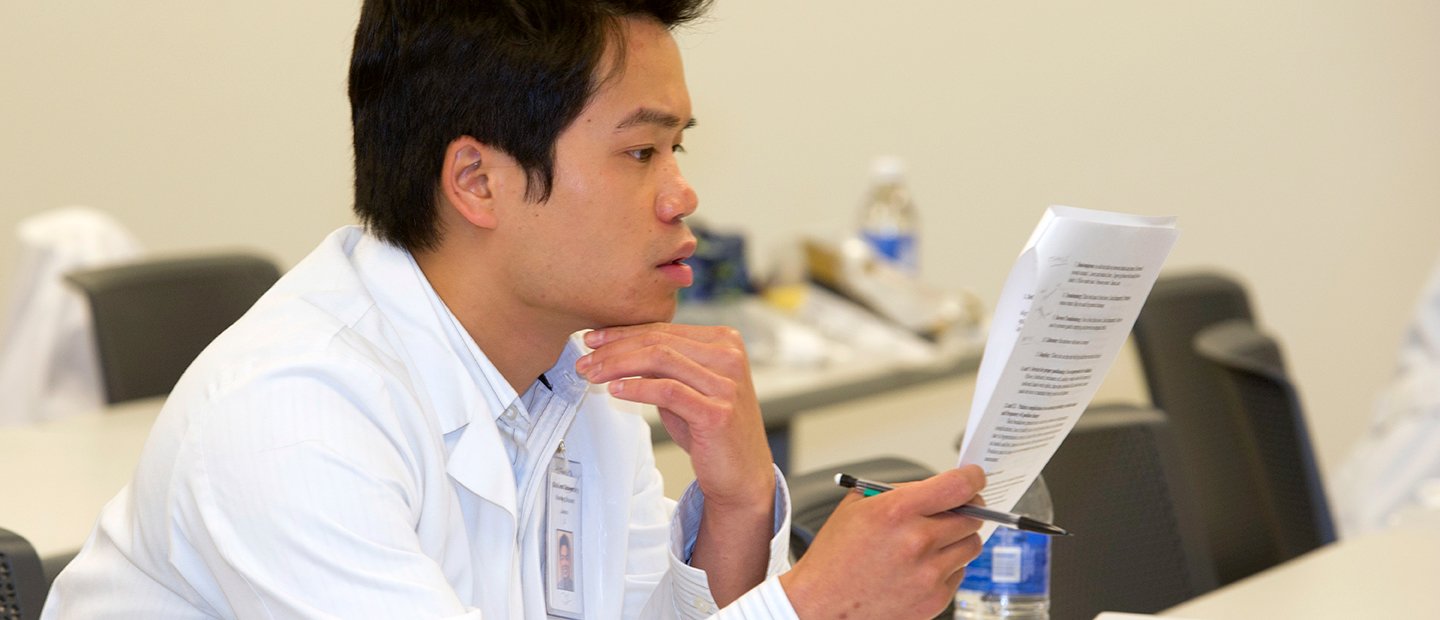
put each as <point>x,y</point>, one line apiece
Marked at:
<point>814,495</point>
<point>1179,306</point>
<point>1184,386</point>
<point>1252,371</point>
<point>22,582</point>
<point>152,318</point>
<point>1139,545</point>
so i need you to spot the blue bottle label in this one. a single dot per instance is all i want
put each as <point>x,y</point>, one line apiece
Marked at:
<point>897,248</point>
<point>1013,562</point>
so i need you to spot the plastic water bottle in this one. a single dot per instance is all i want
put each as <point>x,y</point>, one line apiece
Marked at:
<point>1011,578</point>
<point>888,220</point>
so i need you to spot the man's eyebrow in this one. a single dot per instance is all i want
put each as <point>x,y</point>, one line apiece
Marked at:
<point>650,116</point>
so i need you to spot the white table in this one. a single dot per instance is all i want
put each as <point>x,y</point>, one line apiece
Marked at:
<point>1392,574</point>
<point>60,474</point>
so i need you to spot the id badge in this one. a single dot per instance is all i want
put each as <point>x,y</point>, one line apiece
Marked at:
<point>563,591</point>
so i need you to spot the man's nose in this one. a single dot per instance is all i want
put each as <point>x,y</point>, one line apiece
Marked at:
<point>677,199</point>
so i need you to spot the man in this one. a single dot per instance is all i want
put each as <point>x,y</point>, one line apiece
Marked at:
<point>399,425</point>
<point>566,580</point>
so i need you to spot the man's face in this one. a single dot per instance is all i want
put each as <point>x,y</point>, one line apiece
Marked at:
<point>604,249</point>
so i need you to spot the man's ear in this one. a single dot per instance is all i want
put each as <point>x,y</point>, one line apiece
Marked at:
<point>468,180</point>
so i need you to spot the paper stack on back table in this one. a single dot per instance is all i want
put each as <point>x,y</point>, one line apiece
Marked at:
<point>1064,313</point>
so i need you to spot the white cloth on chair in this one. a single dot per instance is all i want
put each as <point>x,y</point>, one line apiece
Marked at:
<point>48,365</point>
<point>1395,468</point>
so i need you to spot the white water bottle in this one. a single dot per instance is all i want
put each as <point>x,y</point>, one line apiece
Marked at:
<point>888,220</point>
<point>1011,578</point>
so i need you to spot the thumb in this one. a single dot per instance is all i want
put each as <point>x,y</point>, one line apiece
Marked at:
<point>942,491</point>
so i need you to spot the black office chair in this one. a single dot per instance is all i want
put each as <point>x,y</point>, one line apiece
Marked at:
<point>22,582</point>
<point>1179,306</point>
<point>152,318</point>
<point>1139,545</point>
<point>814,495</point>
<point>1293,510</point>
<point>1183,386</point>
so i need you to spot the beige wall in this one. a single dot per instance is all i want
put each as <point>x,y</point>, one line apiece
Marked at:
<point>1297,141</point>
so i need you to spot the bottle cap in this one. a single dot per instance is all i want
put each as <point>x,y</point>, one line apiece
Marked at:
<point>887,168</point>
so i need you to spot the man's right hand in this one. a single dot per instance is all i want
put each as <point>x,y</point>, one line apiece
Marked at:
<point>900,554</point>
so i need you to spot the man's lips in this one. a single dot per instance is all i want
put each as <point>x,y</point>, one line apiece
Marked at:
<point>686,250</point>
<point>675,270</point>
<point>678,273</point>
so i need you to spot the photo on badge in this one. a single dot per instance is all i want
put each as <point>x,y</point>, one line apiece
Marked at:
<point>565,579</point>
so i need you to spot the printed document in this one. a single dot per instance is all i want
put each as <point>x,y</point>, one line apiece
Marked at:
<point>1064,313</point>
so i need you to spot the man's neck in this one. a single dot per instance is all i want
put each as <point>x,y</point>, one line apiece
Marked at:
<point>520,344</point>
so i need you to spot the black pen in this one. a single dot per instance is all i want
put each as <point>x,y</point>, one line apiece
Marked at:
<point>1020,522</point>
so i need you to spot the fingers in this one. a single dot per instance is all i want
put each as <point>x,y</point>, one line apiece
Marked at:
<point>963,551</point>
<point>702,333</point>
<point>915,559</point>
<point>646,349</point>
<point>938,531</point>
<point>672,396</point>
<point>694,371</point>
<point>656,361</point>
<point>699,378</point>
<point>941,492</point>
<point>947,528</point>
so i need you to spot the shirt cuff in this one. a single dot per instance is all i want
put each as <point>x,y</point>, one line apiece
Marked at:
<point>692,586</point>
<point>766,601</point>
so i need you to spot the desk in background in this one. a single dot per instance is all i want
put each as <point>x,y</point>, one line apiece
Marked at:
<point>59,474</point>
<point>1390,574</point>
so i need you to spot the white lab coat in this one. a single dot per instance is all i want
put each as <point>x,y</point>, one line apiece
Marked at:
<point>329,456</point>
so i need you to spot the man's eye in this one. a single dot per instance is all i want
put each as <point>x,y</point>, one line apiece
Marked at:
<point>642,155</point>
<point>679,148</point>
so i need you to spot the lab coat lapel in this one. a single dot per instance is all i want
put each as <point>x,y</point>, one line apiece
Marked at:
<point>455,398</point>
<point>490,515</point>
<point>477,458</point>
<point>459,412</point>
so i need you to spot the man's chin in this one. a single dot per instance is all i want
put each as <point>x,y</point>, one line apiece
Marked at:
<point>660,313</point>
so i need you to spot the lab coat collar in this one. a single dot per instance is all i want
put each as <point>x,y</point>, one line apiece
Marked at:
<point>452,371</point>
<point>401,293</point>
<point>456,396</point>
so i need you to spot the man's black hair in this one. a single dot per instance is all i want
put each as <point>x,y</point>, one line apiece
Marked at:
<point>512,74</point>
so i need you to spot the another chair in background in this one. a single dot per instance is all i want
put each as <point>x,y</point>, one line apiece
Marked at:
<point>22,583</point>
<point>1139,544</point>
<point>1293,510</point>
<point>1183,386</point>
<point>152,318</point>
